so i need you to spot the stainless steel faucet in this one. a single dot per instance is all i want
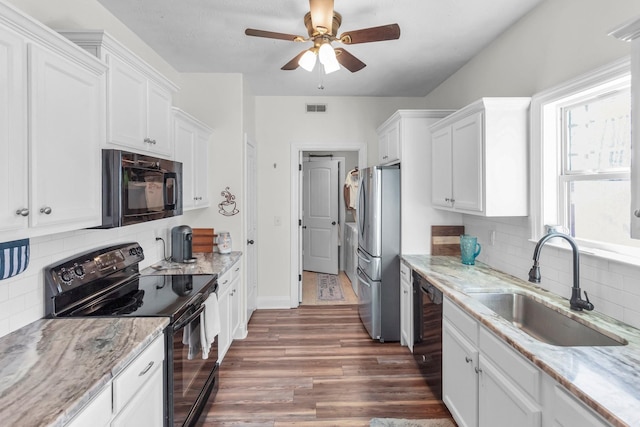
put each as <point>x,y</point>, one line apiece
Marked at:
<point>576,302</point>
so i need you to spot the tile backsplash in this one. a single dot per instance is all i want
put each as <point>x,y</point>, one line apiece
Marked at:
<point>613,287</point>
<point>22,296</point>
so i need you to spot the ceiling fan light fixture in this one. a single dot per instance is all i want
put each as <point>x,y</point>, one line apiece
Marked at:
<point>308,60</point>
<point>331,66</point>
<point>327,54</point>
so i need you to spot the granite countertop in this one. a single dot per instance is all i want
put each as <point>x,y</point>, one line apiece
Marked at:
<point>606,379</point>
<point>206,263</point>
<point>51,368</point>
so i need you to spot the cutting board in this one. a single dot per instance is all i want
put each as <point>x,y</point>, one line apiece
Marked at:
<point>445,239</point>
<point>202,239</point>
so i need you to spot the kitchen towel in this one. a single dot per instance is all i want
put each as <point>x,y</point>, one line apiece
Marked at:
<point>209,324</point>
<point>191,339</point>
<point>14,258</point>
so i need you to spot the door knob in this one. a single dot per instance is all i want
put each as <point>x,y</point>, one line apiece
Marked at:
<point>250,242</point>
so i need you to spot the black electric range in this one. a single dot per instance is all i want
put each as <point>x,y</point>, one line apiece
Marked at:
<point>106,282</point>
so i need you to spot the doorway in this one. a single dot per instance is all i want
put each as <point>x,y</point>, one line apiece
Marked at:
<point>358,153</point>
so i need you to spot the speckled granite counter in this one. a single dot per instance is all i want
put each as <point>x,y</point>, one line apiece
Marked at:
<point>605,378</point>
<point>51,368</point>
<point>206,263</point>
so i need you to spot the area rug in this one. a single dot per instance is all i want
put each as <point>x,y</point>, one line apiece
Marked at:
<point>396,422</point>
<point>329,288</point>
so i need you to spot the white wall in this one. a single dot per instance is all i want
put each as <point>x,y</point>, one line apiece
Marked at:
<point>557,41</point>
<point>281,121</point>
<point>217,100</point>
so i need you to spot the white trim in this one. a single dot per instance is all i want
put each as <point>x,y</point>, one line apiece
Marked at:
<point>545,99</point>
<point>295,157</point>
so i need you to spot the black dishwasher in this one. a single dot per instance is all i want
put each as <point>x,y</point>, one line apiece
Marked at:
<point>427,327</point>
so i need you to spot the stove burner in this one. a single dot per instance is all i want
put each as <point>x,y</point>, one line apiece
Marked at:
<point>113,306</point>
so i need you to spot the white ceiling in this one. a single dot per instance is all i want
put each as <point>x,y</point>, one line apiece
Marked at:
<point>437,38</point>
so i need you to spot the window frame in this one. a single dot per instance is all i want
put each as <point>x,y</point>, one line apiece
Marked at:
<point>546,157</point>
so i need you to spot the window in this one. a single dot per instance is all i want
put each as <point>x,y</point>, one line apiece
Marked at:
<point>581,160</point>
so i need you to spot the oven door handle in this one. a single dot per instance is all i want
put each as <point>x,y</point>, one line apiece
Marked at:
<point>182,323</point>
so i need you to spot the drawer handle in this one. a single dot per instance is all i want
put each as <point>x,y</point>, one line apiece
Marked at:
<point>146,369</point>
<point>237,269</point>
<point>225,282</point>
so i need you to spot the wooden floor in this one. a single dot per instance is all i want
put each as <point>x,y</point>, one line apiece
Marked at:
<point>317,366</point>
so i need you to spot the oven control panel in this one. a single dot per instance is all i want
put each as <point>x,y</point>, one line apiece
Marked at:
<point>74,272</point>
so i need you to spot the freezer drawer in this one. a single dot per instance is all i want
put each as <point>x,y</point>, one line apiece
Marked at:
<point>369,304</point>
<point>371,266</point>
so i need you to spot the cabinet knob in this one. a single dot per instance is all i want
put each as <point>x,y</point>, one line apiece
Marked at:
<point>147,140</point>
<point>468,359</point>
<point>250,242</point>
<point>22,212</point>
<point>478,370</point>
<point>46,210</point>
<point>636,213</point>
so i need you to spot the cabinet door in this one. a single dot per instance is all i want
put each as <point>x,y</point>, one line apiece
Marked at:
<point>236,299</point>
<point>185,144</point>
<point>501,403</point>
<point>201,174</point>
<point>126,105</point>
<point>14,193</point>
<point>66,120</point>
<point>441,190</point>
<point>224,338</point>
<point>96,413</point>
<point>146,407</point>
<point>406,308</point>
<point>393,143</point>
<point>567,411</point>
<point>459,377</point>
<point>383,155</point>
<point>467,170</point>
<point>159,120</point>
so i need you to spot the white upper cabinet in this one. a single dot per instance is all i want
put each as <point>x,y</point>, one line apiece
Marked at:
<point>14,184</point>
<point>389,143</point>
<point>479,158</point>
<point>191,139</point>
<point>408,132</point>
<point>139,98</point>
<point>51,127</point>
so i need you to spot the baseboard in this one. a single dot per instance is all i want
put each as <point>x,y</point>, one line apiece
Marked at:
<point>274,302</point>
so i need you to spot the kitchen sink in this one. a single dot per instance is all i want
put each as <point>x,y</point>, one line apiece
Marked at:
<point>544,323</point>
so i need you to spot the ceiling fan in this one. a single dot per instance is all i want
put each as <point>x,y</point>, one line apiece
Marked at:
<point>322,23</point>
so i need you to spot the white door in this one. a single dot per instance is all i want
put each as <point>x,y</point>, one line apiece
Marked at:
<point>251,259</point>
<point>320,216</point>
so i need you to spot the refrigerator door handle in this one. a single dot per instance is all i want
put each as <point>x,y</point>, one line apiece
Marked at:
<point>367,260</point>
<point>363,279</point>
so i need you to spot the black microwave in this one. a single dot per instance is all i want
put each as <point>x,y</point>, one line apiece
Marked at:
<point>138,188</point>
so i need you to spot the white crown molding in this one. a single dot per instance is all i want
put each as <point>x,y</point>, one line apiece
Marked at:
<point>628,31</point>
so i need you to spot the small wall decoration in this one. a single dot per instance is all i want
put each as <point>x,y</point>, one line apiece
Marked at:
<point>227,207</point>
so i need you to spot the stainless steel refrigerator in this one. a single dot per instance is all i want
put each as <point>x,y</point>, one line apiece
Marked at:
<point>379,251</point>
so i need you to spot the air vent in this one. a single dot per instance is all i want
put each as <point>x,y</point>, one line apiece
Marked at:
<point>316,108</point>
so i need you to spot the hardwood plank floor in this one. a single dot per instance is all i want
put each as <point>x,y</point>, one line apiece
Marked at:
<point>317,366</point>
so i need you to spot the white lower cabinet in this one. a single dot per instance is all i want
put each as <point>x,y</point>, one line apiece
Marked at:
<point>406,307</point>
<point>230,303</point>
<point>486,383</point>
<point>459,376</point>
<point>135,397</point>
<point>500,401</point>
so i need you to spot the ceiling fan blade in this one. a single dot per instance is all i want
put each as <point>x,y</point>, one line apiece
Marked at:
<point>349,61</point>
<point>272,35</point>
<point>321,15</point>
<point>373,34</point>
<point>293,64</point>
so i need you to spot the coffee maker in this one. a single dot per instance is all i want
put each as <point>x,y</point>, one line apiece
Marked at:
<point>181,244</point>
